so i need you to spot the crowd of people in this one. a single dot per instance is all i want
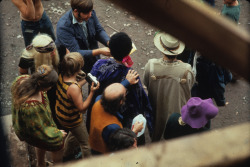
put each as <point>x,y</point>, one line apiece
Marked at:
<point>48,108</point>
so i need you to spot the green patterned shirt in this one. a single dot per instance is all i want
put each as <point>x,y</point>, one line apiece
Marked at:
<point>33,123</point>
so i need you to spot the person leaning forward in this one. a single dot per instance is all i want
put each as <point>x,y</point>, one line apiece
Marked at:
<point>79,30</point>
<point>106,120</point>
<point>34,19</point>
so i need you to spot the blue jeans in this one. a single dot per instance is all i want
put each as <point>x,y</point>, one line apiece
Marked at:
<point>30,29</point>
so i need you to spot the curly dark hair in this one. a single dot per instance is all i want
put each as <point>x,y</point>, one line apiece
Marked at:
<point>121,139</point>
<point>120,45</point>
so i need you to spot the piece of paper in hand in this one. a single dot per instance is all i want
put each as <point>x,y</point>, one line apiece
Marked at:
<point>133,48</point>
<point>139,118</point>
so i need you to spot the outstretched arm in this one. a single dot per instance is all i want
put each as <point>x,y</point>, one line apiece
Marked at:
<point>104,51</point>
<point>132,77</point>
<point>66,37</point>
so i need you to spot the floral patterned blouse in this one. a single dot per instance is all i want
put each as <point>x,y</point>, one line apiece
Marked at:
<point>33,123</point>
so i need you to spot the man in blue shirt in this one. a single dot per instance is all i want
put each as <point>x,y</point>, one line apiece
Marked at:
<point>79,31</point>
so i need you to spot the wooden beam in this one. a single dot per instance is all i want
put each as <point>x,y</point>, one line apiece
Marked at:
<point>198,26</point>
<point>218,148</point>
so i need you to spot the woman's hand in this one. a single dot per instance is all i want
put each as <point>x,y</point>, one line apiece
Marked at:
<point>94,88</point>
<point>132,76</point>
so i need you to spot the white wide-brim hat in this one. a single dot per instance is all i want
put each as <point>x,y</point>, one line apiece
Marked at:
<point>168,44</point>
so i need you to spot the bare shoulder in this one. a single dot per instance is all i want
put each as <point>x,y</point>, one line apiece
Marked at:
<point>73,89</point>
<point>74,92</point>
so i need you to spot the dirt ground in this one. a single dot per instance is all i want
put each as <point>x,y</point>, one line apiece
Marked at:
<point>113,19</point>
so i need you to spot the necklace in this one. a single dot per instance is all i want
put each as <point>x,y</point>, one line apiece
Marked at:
<point>181,122</point>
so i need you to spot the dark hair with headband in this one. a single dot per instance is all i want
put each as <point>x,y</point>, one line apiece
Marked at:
<point>44,78</point>
<point>84,6</point>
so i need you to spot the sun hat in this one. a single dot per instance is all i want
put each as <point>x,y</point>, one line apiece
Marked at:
<point>168,44</point>
<point>198,112</point>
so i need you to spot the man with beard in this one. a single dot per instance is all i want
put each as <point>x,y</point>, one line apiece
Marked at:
<point>105,118</point>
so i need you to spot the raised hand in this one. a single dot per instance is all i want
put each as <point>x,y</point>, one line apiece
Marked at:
<point>132,77</point>
<point>93,87</point>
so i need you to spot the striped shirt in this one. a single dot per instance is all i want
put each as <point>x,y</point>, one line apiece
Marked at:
<point>66,112</point>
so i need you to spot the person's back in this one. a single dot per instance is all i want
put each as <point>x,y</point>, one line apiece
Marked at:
<point>195,117</point>
<point>106,120</point>
<point>31,115</point>
<point>70,104</point>
<point>168,82</point>
<point>41,51</point>
<point>173,79</point>
<point>231,9</point>
<point>30,10</point>
<point>112,70</point>
<point>211,80</point>
<point>106,75</point>
<point>99,120</point>
<point>176,129</point>
<point>34,19</point>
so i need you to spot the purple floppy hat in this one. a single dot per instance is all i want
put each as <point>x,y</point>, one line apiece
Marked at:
<point>198,112</point>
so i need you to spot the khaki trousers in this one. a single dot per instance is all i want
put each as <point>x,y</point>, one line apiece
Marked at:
<point>77,135</point>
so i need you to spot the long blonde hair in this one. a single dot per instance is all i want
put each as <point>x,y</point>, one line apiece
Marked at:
<point>25,88</point>
<point>42,56</point>
<point>28,53</point>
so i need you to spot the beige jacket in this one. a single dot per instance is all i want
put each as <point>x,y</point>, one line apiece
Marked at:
<point>169,86</point>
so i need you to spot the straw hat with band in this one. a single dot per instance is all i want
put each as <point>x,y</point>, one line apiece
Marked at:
<point>198,112</point>
<point>168,45</point>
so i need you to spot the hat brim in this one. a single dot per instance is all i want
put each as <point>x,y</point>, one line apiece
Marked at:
<point>203,119</point>
<point>165,51</point>
<point>194,123</point>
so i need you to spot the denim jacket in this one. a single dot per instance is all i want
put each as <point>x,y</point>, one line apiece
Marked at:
<point>72,37</point>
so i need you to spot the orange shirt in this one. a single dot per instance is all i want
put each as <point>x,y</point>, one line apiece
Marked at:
<point>99,120</point>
